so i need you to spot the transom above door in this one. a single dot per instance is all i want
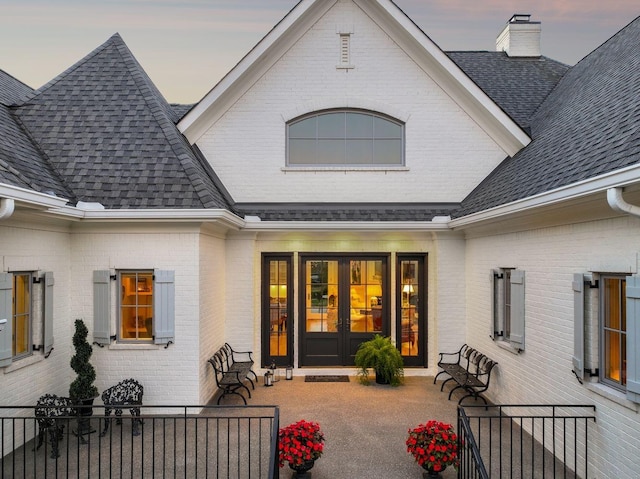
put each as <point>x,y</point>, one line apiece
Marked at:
<point>343,302</point>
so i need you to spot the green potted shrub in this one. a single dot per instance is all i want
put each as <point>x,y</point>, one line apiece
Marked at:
<point>82,391</point>
<point>383,357</point>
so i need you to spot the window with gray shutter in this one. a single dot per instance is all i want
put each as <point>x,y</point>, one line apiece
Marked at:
<point>516,334</point>
<point>6,312</point>
<point>508,315</point>
<point>578,325</point>
<point>633,338</point>
<point>164,307</point>
<point>101,307</point>
<point>48,312</point>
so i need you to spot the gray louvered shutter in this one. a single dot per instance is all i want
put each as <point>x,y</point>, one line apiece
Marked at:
<point>6,312</point>
<point>578,324</point>
<point>494,329</point>
<point>48,312</point>
<point>101,307</point>
<point>633,338</point>
<point>163,307</point>
<point>517,309</point>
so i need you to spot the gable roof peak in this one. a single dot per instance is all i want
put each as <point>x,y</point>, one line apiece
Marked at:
<point>397,25</point>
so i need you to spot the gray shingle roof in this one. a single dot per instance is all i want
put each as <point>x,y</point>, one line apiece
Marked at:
<point>12,90</point>
<point>181,110</point>
<point>21,164</point>
<point>517,85</point>
<point>111,136</point>
<point>589,125</point>
<point>347,212</point>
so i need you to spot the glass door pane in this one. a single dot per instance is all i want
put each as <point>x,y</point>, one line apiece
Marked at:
<point>342,305</point>
<point>365,296</point>
<point>411,309</point>
<point>277,304</point>
<point>278,291</point>
<point>321,296</point>
<point>409,313</point>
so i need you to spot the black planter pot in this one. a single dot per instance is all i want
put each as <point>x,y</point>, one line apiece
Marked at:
<point>380,379</point>
<point>302,470</point>
<point>84,412</point>
<point>431,474</point>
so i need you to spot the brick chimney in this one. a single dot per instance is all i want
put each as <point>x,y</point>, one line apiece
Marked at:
<point>520,37</point>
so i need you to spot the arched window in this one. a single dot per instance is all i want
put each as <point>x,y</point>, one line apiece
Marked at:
<point>345,138</point>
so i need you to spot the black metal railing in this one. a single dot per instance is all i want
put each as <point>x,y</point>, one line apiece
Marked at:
<point>525,441</point>
<point>173,442</point>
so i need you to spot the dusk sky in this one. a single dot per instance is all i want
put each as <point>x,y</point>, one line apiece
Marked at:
<point>187,46</point>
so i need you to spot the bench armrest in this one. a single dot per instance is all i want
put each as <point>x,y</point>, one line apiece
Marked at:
<point>234,352</point>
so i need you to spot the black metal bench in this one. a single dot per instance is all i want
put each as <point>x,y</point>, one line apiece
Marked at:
<point>469,369</point>
<point>126,393</point>
<point>52,413</point>
<point>239,361</point>
<point>231,376</point>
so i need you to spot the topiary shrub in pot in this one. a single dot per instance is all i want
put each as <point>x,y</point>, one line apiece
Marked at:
<point>383,357</point>
<point>82,391</point>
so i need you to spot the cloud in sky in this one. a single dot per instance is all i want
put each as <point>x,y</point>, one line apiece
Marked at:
<point>187,46</point>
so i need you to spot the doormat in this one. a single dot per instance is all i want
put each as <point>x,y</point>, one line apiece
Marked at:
<point>326,379</point>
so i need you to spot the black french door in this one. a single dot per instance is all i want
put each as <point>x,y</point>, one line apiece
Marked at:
<point>343,302</point>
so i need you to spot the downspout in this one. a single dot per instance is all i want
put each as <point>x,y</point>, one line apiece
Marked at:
<point>617,203</point>
<point>7,205</point>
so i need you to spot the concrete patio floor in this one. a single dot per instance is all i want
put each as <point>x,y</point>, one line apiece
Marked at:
<point>365,427</point>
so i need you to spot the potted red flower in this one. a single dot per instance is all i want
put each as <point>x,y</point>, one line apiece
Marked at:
<point>434,446</point>
<point>300,444</point>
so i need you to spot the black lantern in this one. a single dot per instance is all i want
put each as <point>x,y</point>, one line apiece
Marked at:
<point>289,373</point>
<point>268,379</point>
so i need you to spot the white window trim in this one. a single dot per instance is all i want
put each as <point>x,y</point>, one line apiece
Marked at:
<point>600,333</point>
<point>132,341</point>
<point>106,313</point>
<point>592,352</point>
<point>347,166</point>
<point>381,169</point>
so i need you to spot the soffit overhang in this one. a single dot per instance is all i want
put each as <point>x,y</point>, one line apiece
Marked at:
<point>575,203</point>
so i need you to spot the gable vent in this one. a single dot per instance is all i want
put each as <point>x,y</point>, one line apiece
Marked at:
<point>345,32</point>
<point>344,49</point>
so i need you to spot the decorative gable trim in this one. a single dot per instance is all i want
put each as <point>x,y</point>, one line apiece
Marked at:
<point>433,61</point>
<point>258,61</point>
<point>444,71</point>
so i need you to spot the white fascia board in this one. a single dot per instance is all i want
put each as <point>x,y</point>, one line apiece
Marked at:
<point>283,226</point>
<point>151,215</point>
<point>262,57</point>
<point>618,178</point>
<point>30,198</point>
<point>444,71</point>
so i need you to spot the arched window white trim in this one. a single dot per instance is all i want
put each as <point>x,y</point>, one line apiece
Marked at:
<point>345,137</point>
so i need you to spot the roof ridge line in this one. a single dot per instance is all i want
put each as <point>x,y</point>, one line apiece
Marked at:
<point>73,67</point>
<point>162,112</point>
<point>71,193</point>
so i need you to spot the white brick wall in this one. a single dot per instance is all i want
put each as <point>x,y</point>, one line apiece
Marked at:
<point>169,376</point>
<point>212,309</point>
<point>542,373</point>
<point>447,153</point>
<point>445,270</point>
<point>38,248</point>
